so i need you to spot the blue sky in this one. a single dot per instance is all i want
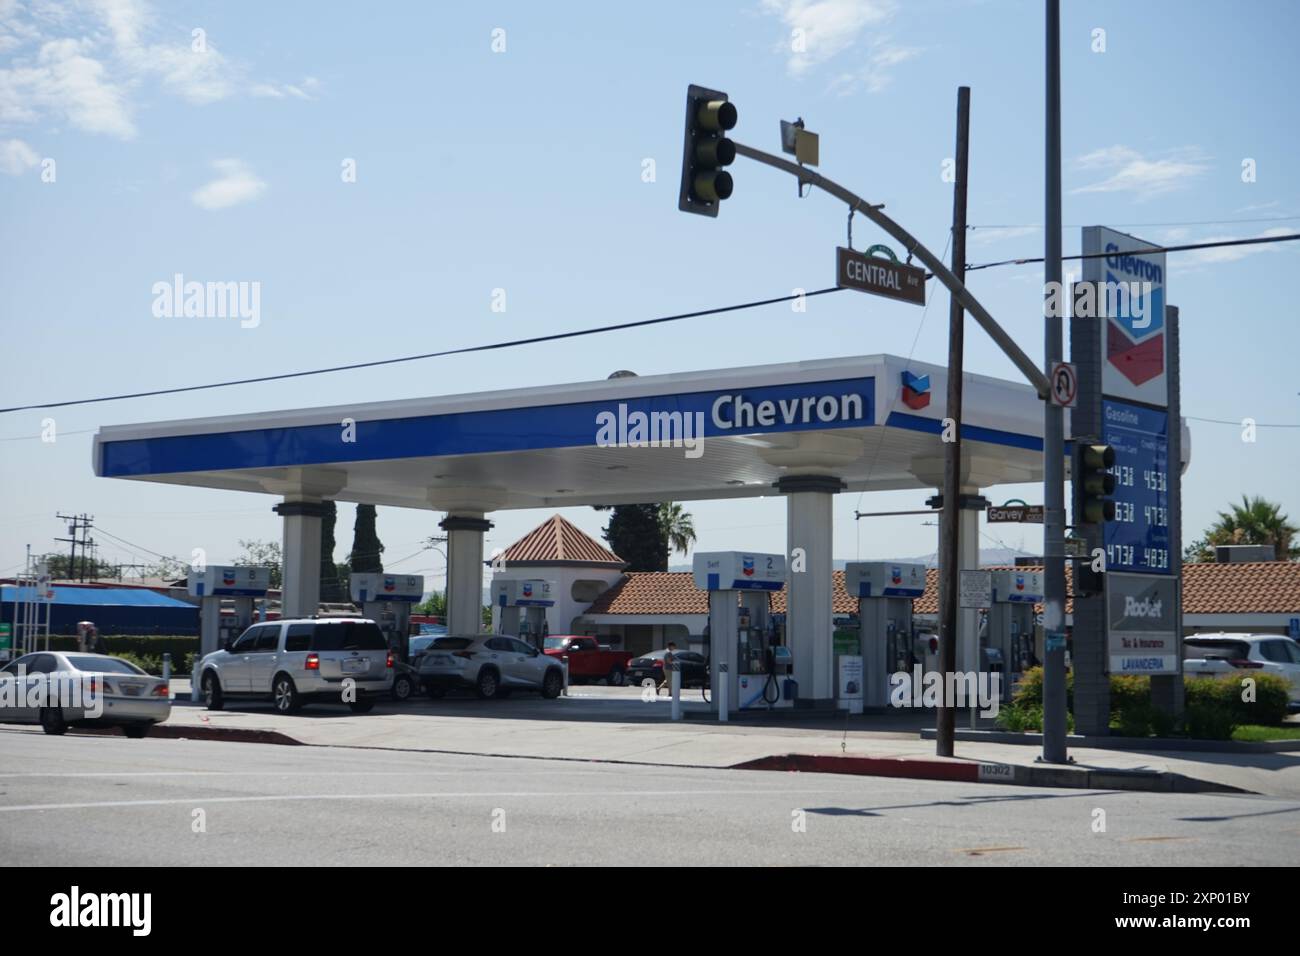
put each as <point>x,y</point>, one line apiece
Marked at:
<point>522,170</point>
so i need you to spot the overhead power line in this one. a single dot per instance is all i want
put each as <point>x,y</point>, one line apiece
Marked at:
<point>618,326</point>
<point>512,343</point>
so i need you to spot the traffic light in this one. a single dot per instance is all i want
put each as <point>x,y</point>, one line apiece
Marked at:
<point>706,151</point>
<point>1092,484</point>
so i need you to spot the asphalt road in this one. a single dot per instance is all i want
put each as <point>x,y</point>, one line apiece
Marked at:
<point>82,800</point>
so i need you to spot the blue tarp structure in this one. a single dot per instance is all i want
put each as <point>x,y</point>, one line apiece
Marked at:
<point>114,610</point>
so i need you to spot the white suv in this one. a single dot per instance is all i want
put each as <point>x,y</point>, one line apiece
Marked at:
<point>293,662</point>
<point>1211,655</point>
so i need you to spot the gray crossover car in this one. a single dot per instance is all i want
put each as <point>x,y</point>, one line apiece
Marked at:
<point>294,662</point>
<point>491,664</point>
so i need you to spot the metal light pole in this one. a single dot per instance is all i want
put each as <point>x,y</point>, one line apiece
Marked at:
<point>1054,698</point>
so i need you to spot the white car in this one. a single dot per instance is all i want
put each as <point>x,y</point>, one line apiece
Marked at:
<point>293,662</point>
<point>59,690</point>
<point>490,664</point>
<point>1211,655</point>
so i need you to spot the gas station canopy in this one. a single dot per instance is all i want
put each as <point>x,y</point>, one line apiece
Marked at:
<point>873,421</point>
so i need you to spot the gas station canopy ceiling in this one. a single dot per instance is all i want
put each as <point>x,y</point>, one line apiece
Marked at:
<point>861,419</point>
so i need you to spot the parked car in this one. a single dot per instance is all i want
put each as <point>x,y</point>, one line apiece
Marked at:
<point>297,661</point>
<point>131,699</point>
<point>693,665</point>
<point>406,674</point>
<point>491,664</point>
<point>589,659</point>
<point>1211,655</point>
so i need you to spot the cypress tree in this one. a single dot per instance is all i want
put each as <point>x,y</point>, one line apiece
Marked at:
<point>366,546</point>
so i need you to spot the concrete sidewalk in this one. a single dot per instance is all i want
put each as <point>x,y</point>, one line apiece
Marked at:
<point>616,725</point>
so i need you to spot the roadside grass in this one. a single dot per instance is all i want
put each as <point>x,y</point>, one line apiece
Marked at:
<point>1258,732</point>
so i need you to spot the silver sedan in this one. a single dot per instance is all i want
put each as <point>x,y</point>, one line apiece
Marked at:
<point>60,689</point>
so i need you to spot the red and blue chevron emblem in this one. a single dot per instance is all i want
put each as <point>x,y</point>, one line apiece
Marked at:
<point>916,390</point>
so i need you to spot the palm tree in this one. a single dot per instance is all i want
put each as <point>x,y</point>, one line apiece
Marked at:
<point>1255,521</point>
<point>676,526</point>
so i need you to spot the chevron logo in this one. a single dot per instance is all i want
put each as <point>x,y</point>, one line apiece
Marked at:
<point>1137,361</point>
<point>916,390</point>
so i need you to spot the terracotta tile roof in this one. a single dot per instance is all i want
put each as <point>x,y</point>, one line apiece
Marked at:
<point>674,592</point>
<point>653,592</point>
<point>1265,587</point>
<point>1271,587</point>
<point>557,541</point>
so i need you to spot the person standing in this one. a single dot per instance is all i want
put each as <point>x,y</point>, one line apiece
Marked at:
<point>670,662</point>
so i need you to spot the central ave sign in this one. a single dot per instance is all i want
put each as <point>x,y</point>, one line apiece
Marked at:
<point>894,280</point>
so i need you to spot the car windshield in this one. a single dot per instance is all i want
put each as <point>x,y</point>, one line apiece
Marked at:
<point>103,665</point>
<point>555,643</point>
<point>348,636</point>
<point>420,644</point>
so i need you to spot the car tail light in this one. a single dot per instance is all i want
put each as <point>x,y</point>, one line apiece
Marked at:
<point>1241,662</point>
<point>92,684</point>
<point>162,690</point>
<point>313,662</point>
<point>465,654</point>
<point>390,660</point>
<point>657,663</point>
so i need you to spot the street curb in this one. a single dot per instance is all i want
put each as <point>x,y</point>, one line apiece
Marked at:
<point>1145,744</point>
<point>229,734</point>
<point>1082,778</point>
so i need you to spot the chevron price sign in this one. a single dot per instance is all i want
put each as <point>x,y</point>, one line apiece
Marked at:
<point>1131,300</point>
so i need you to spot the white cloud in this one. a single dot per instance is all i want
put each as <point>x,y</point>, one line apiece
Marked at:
<point>1235,253</point>
<point>16,157</point>
<point>236,184</point>
<point>1130,171</point>
<point>81,62</point>
<point>278,91</point>
<point>991,234</point>
<point>820,30</point>
<point>65,82</point>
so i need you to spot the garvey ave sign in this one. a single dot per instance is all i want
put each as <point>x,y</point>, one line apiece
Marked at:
<point>894,280</point>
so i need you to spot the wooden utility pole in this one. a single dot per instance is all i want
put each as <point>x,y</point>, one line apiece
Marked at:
<point>950,516</point>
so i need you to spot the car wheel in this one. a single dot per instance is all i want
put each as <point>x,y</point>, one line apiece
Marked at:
<point>136,731</point>
<point>616,678</point>
<point>487,684</point>
<point>403,687</point>
<point>363,706</point>
<point>212,695</point>
<point>436,691</point>
<point>52,721</point>
<point>552,684</point>
<point>285,695</point>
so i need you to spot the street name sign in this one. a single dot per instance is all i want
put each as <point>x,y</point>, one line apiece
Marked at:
<point>875,274</point>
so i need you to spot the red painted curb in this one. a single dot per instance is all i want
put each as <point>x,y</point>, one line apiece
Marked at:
<point>914,768</point>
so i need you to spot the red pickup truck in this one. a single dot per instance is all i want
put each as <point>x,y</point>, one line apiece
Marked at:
<point>589,660</point>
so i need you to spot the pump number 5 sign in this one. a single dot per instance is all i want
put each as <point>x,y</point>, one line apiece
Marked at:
<point>1065,384</point>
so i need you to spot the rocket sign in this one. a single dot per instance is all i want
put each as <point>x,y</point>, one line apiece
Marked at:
<point>1131,300</point>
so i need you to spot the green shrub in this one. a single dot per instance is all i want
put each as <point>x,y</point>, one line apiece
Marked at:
<point>1207,720</point>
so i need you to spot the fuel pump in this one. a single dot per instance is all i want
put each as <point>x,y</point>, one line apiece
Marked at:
<point>386,599</point>
<point>237,585</point>
<point>885,591</point>
<point>522,608</point>
<point>1010,623</point>
<point>742,632</point>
